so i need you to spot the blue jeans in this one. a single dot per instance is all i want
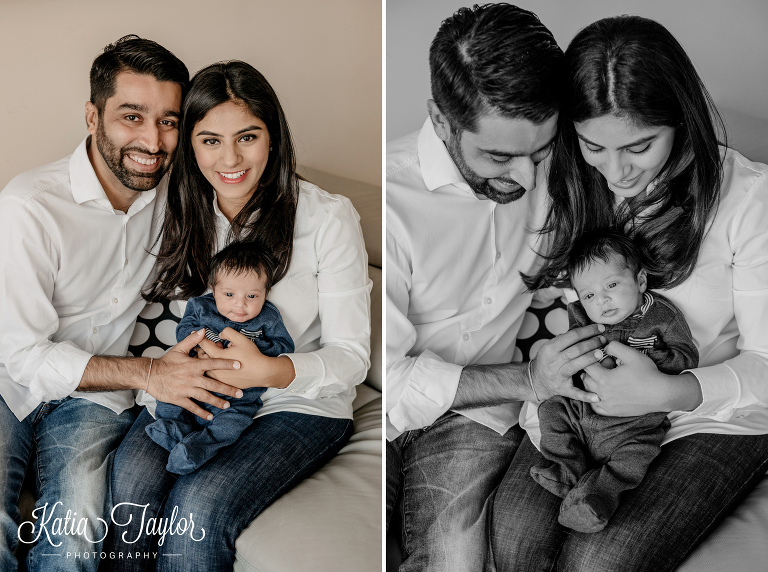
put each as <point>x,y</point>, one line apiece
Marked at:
<point>689,488</point>
<point>445,475</point>
<point>220,499</point>
<point>71,443</point>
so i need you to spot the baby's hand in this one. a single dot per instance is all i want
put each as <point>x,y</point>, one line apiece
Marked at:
<point>201,352</point>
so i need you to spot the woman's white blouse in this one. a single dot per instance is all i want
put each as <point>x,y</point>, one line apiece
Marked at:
<point>725,301</point>
<point>325,302</point>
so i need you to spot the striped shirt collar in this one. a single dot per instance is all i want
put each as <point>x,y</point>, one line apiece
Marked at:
<point>647,303</point>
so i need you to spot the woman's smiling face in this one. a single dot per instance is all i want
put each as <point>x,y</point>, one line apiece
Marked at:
<point>628,156</point>
<point>232,149</point>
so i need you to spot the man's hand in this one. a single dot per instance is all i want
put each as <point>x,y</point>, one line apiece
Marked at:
<point>563,356</point>
<point>177,378</point>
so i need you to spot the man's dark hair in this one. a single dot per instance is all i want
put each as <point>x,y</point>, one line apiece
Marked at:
<point>495,58</point>
<point>241,258</point>
<point>603,245</point>
<point>138,55</point>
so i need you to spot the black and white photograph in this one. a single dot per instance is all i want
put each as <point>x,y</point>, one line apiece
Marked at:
<point>576,235</point>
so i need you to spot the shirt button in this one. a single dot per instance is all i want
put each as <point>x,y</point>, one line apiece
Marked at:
<point>498,255</point>
<point>126,262</point>
<point>114,300</point>
<point>488,300</point>
<point>95,330</point>
<point>466,336</point>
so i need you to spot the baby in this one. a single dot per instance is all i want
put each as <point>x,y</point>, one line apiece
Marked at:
<point>593,458</point>
<point>240,277</point>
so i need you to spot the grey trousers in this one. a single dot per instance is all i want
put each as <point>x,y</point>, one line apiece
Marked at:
<point>599,455</point>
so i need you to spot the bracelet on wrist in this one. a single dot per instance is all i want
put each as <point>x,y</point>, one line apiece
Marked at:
<point>530,380</point>
<point>149,372</point>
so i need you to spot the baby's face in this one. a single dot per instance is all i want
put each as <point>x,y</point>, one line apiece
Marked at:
<point>609,291</point>
<point>240,297</point>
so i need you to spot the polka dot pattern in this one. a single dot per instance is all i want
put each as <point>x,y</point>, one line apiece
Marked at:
<point>539,325</point>
<point>165,332</point>
<point>155,329</point>
<point>151,310</point>
<point>556,321</point>
<point>140,334</point>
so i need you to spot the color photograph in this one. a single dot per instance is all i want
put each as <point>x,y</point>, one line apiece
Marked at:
<point>190,286</point>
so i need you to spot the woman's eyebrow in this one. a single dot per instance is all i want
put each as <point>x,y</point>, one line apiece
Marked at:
<point>212,134</point>
<point>633,144</point>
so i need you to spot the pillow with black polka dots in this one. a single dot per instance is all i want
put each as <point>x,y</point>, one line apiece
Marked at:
<point>542,322</point>
<point>155,329</point>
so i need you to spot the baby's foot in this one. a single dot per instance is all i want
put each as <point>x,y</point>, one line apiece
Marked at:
<point>179,461</point>
<point>165,433</point>
<point>584,513</point>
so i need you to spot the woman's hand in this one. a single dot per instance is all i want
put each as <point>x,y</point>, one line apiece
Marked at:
<point>562,357</point>
<point>257,369</point>
<point>637,387</point>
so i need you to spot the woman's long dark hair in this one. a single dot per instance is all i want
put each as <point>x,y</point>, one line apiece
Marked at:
<point>633,68</point>
<point>189,230</point>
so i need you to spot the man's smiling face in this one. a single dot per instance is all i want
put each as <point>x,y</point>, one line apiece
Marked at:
<point>137,131</point>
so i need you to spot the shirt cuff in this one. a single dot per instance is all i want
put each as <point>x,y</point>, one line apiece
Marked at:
<point>309,370</point>
<point>720,391</point>
<point>60,374</point>
<point>429,394</point>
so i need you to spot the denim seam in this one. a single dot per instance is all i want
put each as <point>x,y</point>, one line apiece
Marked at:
<point>406,536</point>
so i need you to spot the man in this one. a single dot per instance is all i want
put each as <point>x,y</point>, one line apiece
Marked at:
<point>464,198</point>
<point>76,238</point>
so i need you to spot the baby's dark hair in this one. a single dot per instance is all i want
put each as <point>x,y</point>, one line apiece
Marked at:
<point>602,245</point>
<point>243,257</point>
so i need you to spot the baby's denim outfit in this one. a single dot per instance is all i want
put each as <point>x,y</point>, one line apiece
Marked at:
<point>192,441</point>
<point>594,458</point>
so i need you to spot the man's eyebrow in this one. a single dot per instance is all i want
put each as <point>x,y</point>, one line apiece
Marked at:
<point>633,144</point>
<point>508,154</point>
<point>144,109</point>
<point>212,134</point>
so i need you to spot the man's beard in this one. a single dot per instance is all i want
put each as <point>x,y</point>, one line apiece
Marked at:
<point>477,183</point>
<point>114,158</point>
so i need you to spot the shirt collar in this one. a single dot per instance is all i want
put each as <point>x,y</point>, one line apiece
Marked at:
<point>647,303</point>
<point>86,186</point>
<point>216,209</point>
<point>437,167</point>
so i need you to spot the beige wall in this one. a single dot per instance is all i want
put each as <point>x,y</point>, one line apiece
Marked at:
<point>727,41</point>
<point>322,57</point>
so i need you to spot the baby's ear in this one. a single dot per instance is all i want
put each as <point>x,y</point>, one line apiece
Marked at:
<point>642,280</point>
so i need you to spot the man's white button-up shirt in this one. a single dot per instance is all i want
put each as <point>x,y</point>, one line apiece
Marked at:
<point>71,272</point>
<point>454,292</point>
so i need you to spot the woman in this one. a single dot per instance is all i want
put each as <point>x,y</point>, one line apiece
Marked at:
<point>638,149</point>
<point>234,178</point>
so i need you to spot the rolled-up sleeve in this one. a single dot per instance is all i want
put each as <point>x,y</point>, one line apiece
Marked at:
<point>28,319</point>
<point>742,381</point>
<point>420,388</point>
<point>344,302</point>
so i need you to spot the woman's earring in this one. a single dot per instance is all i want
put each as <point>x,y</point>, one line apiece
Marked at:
<point>270,147</point>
